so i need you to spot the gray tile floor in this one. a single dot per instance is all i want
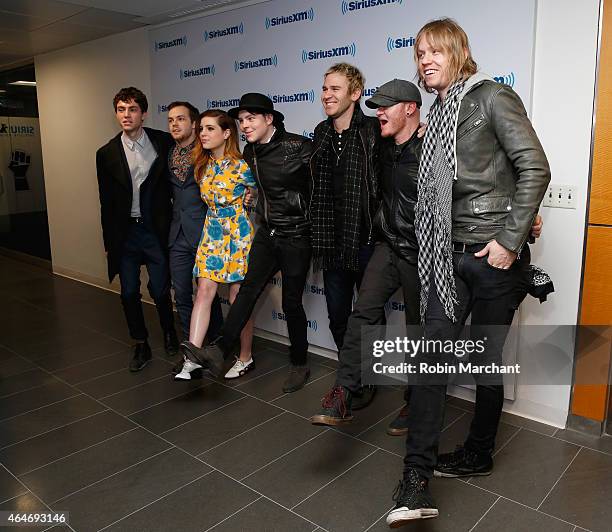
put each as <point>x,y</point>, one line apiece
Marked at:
<point>139,452</point>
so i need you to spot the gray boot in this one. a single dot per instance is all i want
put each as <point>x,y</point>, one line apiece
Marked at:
<point>298,375</point>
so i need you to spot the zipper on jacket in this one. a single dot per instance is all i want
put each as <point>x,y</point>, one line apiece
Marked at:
<point>368,190</point>
<point>312,156</point>
<point>261,185</point>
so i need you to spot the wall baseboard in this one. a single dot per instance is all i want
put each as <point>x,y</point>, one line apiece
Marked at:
<point>28,259</point>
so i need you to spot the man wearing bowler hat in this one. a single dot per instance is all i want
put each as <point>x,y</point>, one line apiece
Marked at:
<point>280,162</point>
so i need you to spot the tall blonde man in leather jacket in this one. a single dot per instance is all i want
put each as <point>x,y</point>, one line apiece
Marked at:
<point>482,176</point>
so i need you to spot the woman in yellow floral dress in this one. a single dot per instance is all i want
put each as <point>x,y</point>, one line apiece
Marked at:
<point>222,255</point>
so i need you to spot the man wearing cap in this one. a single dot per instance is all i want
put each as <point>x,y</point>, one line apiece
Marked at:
<point>280,162</point>
<point>394,261</point>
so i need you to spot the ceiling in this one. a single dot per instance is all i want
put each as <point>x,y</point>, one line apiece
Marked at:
<point>32,27</point>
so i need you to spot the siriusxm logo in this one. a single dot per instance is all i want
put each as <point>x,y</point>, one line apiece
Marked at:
<point>312,324</point>
<point>396,306</point>
<point>276,281</point>
<point>308,134</point>
<point>314,289</point>
<point>225,32</point>
<point>348,7</point>
<point>313,55</point>
<point>399,42</point>
<point>507,79</point>
<point>302,16</point>
<point>369,92</point>
<point>256,63</point>
<point>221,104</point>
<point>196,72</point>
<point>296,97</point>
<point>16,130</point>
<point>162,108</point>
<point>163,45</point>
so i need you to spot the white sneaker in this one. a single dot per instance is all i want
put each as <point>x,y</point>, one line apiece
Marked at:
<point>185,373</point>
<point>240,368</point>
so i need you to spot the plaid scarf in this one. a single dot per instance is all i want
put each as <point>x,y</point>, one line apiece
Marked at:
<point>326,255</point>
<point>433,211</point>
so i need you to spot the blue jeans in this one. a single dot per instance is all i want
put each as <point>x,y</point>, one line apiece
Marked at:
<point>339,290</point>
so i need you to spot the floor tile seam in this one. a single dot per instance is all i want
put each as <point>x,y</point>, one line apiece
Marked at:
<point>80,324</point>
<point>9,395</point>
<point>254,379</point>
<point>560,477</point>
<point>515,502</point>
<point>127,468</point>
<point>242,433</point>
<point>29,491</point>
<point>505,444</point>
<point>378,422</point>
<point>15,496</point>
<point>607,453</point>
<point>233,514</point>
<point>309,383</point>
<point>379,518</point>
<point>76,394</point>
<point>484,515</point>
<point>167,400</point>
<point>156,500</point>
<point>261,494</point>
<point>463,414</point>
<point>63,352</point>
<point>21,357</point>
<point>76,452</point>
<point>340,475</point>
<point>202,415</point>
<point>140,385</point>
<point>51,430</point>
<point>283,455</point>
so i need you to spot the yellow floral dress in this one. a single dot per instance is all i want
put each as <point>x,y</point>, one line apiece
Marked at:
<point>227,234</point>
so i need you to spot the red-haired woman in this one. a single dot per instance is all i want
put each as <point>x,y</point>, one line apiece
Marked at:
<point>222,255</point>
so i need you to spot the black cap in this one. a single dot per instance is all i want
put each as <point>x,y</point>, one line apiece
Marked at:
<point>395,91</point>
<point>255,101</point>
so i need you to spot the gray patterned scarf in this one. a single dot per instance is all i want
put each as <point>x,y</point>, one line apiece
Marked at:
<point>433,212</point>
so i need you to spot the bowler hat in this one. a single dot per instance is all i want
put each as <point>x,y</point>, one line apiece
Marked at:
<point>255,101</point>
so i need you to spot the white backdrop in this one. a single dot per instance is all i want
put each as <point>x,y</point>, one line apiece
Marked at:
<point>283,47</point>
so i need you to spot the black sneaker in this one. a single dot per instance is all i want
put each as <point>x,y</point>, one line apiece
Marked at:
<point>412,501</point>
<point>298,375</point>
<point>463,462</point>
<point>142,356</point>
<point>364,397</point>
<point>171,343</point>
<point>399,426</point>
<point>210,357</point>
<point>335,408</point>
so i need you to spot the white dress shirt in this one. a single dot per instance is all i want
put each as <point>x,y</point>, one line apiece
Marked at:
<point>140,154</point>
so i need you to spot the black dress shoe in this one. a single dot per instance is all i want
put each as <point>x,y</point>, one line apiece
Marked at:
<point>171,343</point>
<point>210,357</point>
<point>142,356</point>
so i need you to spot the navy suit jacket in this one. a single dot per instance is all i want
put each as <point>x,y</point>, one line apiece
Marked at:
<point>188,209</point>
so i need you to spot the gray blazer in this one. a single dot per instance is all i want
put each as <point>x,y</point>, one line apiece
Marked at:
<point>188,209</point>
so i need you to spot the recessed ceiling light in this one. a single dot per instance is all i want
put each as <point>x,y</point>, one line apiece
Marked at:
<point>23,83</point>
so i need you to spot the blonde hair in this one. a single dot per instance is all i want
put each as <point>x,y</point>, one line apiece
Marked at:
<point>352,73</point>
<point>446,35</point>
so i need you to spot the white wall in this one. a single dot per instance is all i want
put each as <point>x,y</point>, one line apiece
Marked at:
<point>76,86</point>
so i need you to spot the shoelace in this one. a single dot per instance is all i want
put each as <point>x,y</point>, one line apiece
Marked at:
<point>336,395</point>
<point>412,486</point>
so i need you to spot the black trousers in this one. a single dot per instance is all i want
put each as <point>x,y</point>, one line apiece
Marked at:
<point>491,296</point>
<point>182,259</point>
<point>385,273</point>
<point>142,247</point>
<point>339,293</point>
<point>269,254</point>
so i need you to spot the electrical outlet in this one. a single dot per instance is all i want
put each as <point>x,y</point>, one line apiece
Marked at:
<point>560,197</point>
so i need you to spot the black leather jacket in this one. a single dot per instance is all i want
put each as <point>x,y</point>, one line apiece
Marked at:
<point>369,133</point>
<point>394,221</point>
<point>282,170</point>
<point>502,171</point>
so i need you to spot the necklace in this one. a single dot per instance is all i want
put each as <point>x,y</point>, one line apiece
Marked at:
<point>337,139</point>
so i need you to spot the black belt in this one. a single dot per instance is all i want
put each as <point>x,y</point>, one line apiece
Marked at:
<point>462,247</point>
